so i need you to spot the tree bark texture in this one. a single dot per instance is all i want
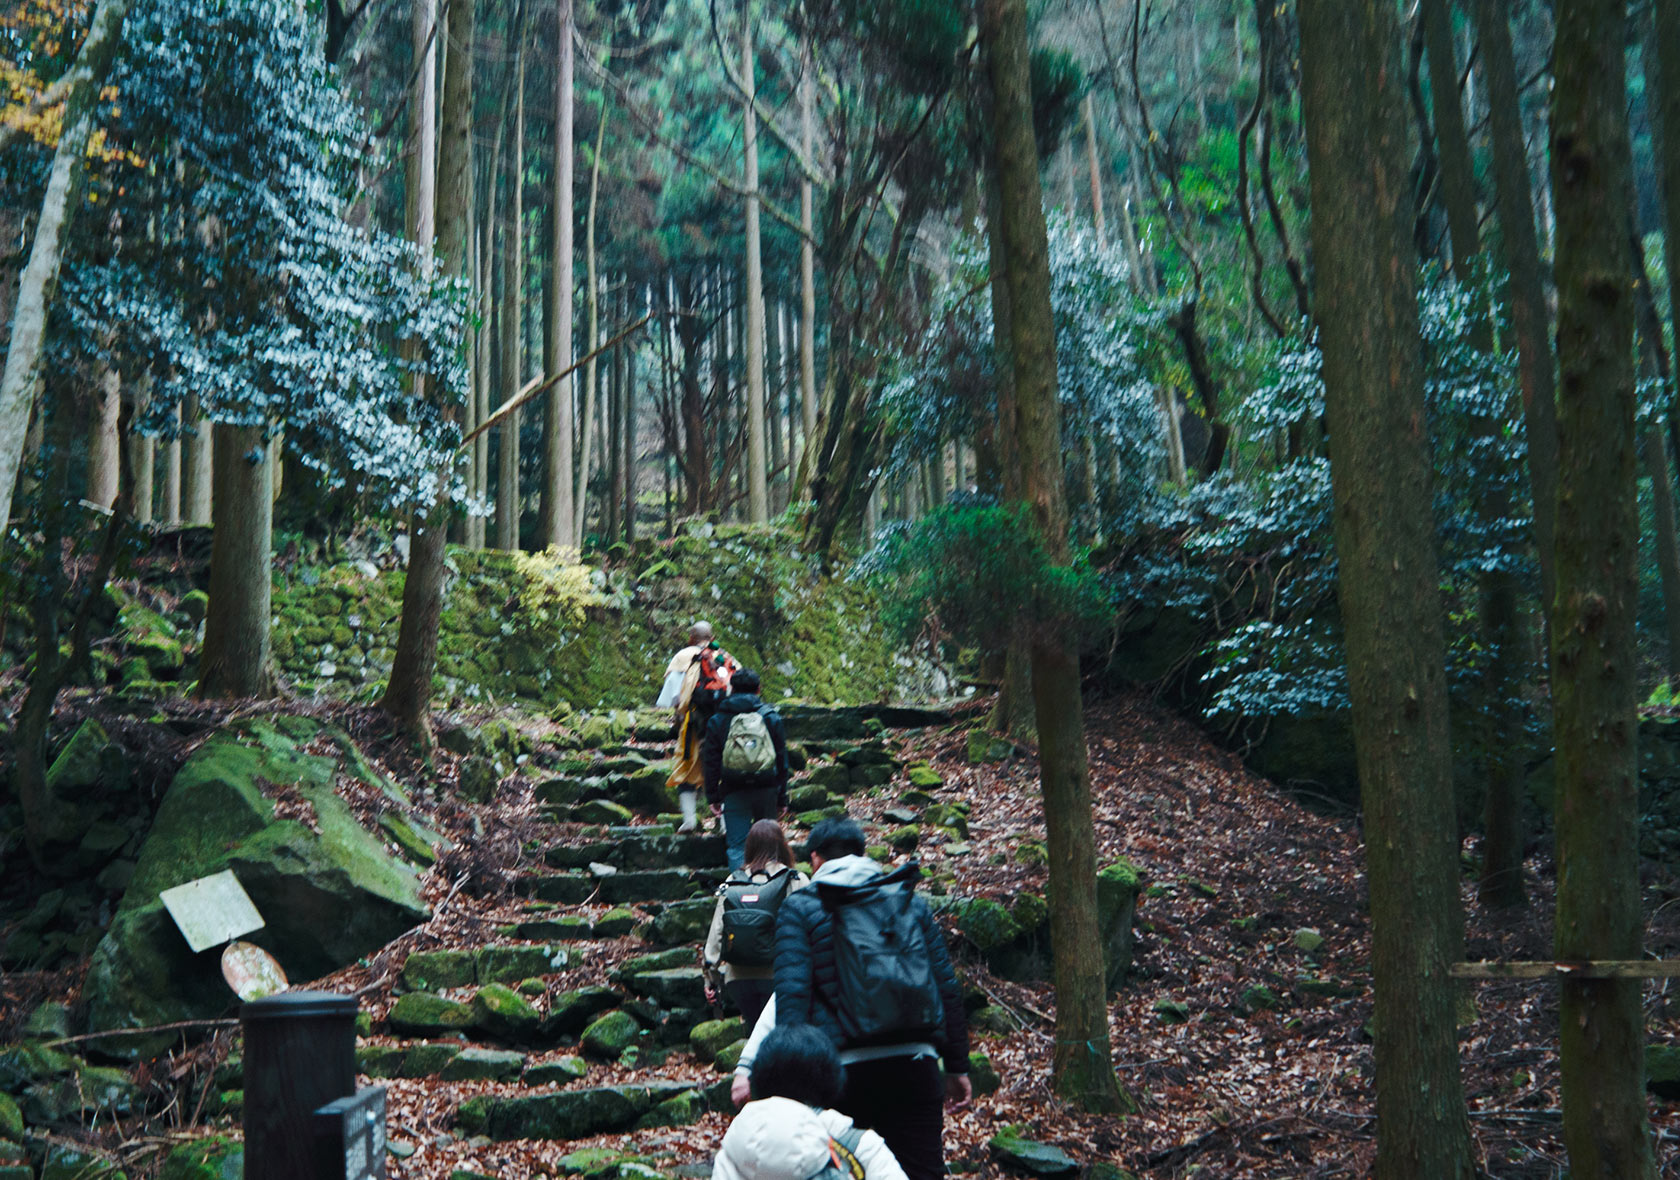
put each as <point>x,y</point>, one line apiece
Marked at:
<point>1082,1070</point>
<point>409,690</point>
<point>758,470</point>
<point>1525,292</point>
<point>235,660</point>
<point>591,370</point>
<point>104,460</point>
<point>1366,298</point>
<point>1097,218</point>
<point>1499,712</point>
<point>513,317</point>
<point>1666,125</point>
<point>36,288</point>
<point>807,259</point>
<point>1594,689</point>
<point>558,511</point>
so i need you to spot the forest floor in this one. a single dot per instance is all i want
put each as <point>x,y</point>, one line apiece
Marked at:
<point>1229,1084</point>
<point>1247,1055</point>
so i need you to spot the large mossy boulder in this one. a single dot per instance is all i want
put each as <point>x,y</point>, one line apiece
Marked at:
<point>327,889</point>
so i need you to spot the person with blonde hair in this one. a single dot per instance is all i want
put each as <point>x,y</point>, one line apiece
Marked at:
<point>696,679</point>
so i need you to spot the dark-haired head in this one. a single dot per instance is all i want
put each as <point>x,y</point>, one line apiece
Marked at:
<point>745,680</point>
<point>833,838</point>
<point>766,843</point>
<point>797,1061</point>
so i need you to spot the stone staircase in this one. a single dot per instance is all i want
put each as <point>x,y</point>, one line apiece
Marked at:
<point>595,971</point>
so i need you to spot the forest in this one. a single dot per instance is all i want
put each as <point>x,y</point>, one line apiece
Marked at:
<point>1195,476</point>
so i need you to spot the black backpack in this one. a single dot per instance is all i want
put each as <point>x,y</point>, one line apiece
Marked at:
<point>749,918</point>
<point>887,992</point>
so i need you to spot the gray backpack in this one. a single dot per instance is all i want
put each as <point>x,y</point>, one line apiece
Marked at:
<point>748,751</point>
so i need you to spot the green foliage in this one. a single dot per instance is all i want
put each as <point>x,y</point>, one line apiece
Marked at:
<point>969,573</point>
<point>554,587</point>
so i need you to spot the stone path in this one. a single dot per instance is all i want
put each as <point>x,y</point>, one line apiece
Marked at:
<point>613,884</point>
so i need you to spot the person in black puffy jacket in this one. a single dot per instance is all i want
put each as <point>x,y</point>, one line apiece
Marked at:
<point>895,1089</point>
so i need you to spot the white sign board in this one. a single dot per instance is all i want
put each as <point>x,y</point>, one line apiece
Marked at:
<point>211,910</point>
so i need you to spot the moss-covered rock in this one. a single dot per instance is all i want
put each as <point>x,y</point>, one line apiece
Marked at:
<point>64,1162</point>
<point>572,1011</point>
<point>567,1114</point>
<point>379,1061</point>
<point>673,987</point>
<point>328,896</point>
<point>484,1065</point>
<point>504,1013</point>
<point>1024,1155</point>
<point>679,1111</point>
<point>561,1071</point>
<point>428,1059</point>
<point>432,971</point>
<point>216,1158</point>
<point>11,1119</point>
<point>923,777</point>
<point>609,1036</point>
<point>710,1036</point>
<point>425,1014</point>
<point>515,964</point>
<point>985,923</point>
<point>982,1074</point>
<point>984,746</point>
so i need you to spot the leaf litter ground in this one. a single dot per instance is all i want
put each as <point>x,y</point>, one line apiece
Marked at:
<point>1231,1082</point>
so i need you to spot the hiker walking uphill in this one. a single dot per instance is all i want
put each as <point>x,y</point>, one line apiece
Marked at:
<point>696,679</point>
<point>744,758</point>
<point>741,947</point>
<point>790,1130</point>
<point>860,956</point>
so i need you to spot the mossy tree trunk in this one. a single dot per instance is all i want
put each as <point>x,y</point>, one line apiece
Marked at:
<point>408,692</point>
<point>1082,1071</point>
<point>1396,656</point>
<point>1594,690</point>
<point>513,317</point>
<point>235,661</point>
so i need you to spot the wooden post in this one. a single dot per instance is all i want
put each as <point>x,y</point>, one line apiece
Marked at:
<point>300,1054</point>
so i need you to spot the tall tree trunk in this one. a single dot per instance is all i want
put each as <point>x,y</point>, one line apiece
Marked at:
<point>628,435</point>
<point>104,462</point>
<point>1097,218</point>
<point>591,370</point>
<point>558,512</point>
<point>807,257</point>
<point>36,288</point>
<point>1082,1071</point>
<point>420,161</point>
<point>1667,543</point>
<point>1500,711</point>
<point>408,692</point>
<point>1595,690</point>
<point>235,661</point>
<point>773,349</point>
<point>1525,294</point>
<point>171,513</point>
<point>758,472</point>
<point>1396,657</point>
<point>513,318</point>
<point>141,466</point>
<point>198,464</point>
<point>1666,125</point>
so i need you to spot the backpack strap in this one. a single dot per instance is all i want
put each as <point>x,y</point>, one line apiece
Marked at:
<point>843,1149</point>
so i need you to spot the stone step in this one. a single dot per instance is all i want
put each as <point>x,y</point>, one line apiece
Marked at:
<point>579,1114</point>
<point>509,964</point>
<point>452,1061</point>
<point>500,1013</point>
<point>622,888</point>
<point>572,927</point>
<point>634,851</point>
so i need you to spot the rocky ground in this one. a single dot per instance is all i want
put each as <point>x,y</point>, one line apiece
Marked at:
<point>546,1017</point>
